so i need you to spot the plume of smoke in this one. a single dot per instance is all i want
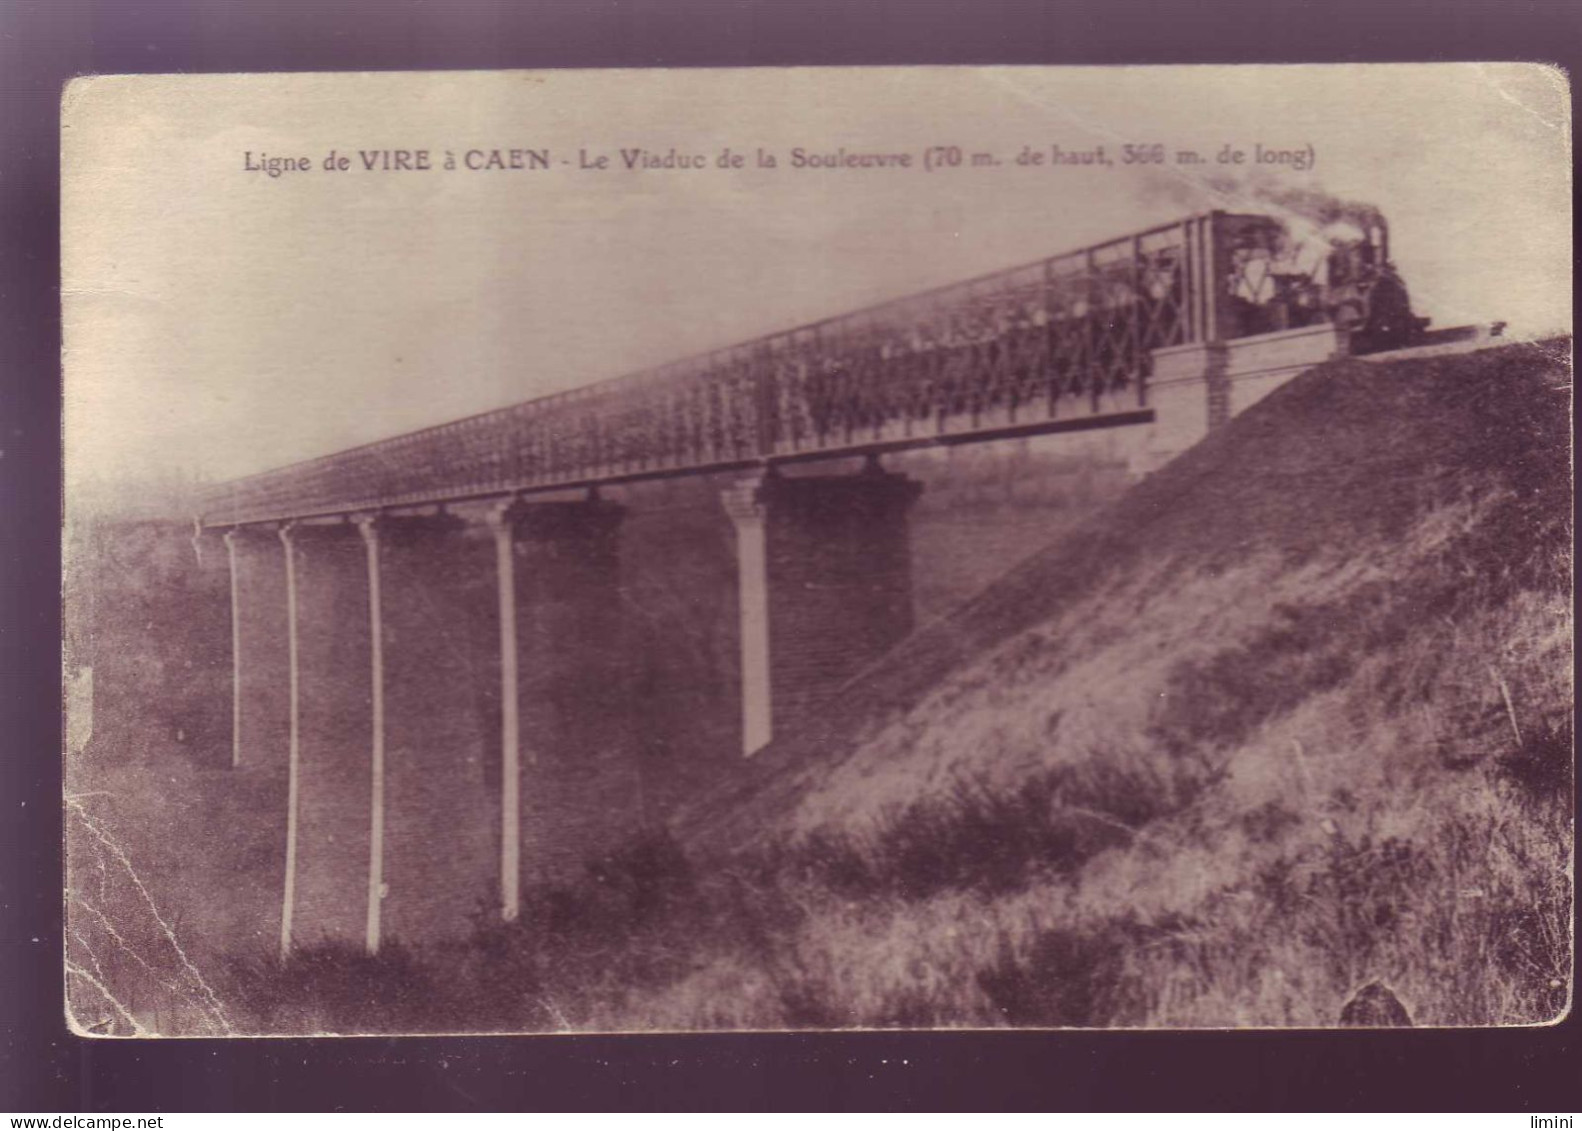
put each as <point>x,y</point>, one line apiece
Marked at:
<point>1307,210</point>
<point>1311,203</point>
<point>1314,220</point>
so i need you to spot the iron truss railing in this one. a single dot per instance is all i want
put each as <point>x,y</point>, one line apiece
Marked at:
<point>1053,344</point>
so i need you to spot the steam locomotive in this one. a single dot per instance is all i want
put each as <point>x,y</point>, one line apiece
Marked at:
<point>1340,273</point>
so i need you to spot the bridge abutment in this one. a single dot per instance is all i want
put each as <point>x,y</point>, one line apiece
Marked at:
<point>824,587</point>
<point>1195,388</point>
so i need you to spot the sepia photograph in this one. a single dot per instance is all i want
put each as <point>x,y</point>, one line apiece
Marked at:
<point>818,548</point>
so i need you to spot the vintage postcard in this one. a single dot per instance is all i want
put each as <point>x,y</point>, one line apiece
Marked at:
<point>938,547</point>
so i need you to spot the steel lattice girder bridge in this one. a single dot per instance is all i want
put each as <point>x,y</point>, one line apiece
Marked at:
<point>1062,343</point>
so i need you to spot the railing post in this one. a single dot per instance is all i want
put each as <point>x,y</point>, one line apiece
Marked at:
<point>369,527</point>
<point>288,899</point>
<point>1213,272</point>
<point>764,402</point>
<point>502,521</point>
<point>1198,282</point>
<point>1139,313</point>
<point>1090,336</point>
<point>1051,362</point>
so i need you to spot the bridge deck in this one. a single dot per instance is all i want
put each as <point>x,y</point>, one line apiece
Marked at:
<point>1059,344</point>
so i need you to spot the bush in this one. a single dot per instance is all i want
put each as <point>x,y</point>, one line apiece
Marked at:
<point>336,987</point>
<point>979,838</point>
<point>1067,979</point>
<point>1541,765</point>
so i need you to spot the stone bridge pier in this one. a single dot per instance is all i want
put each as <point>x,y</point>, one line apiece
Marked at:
<point>333,752</point>
<point>568,697</point>
<point>449,700</point>
<point>260,707</point>
<point>440,750</point>
<point>824,586</point>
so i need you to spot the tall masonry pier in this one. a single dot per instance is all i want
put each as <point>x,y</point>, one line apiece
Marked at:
<point>825,581</point>
<point>432,633</point>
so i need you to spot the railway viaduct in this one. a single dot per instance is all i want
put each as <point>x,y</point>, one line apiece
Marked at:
<point>428,630</point>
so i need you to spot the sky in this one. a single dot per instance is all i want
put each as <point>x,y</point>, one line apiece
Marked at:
<point>220,321</point>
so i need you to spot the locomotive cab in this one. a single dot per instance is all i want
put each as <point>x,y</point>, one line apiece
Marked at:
<point>1340,274</point>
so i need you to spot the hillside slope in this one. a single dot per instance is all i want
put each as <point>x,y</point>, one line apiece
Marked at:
<point>1293,715</point>
<point>1360,510</point>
